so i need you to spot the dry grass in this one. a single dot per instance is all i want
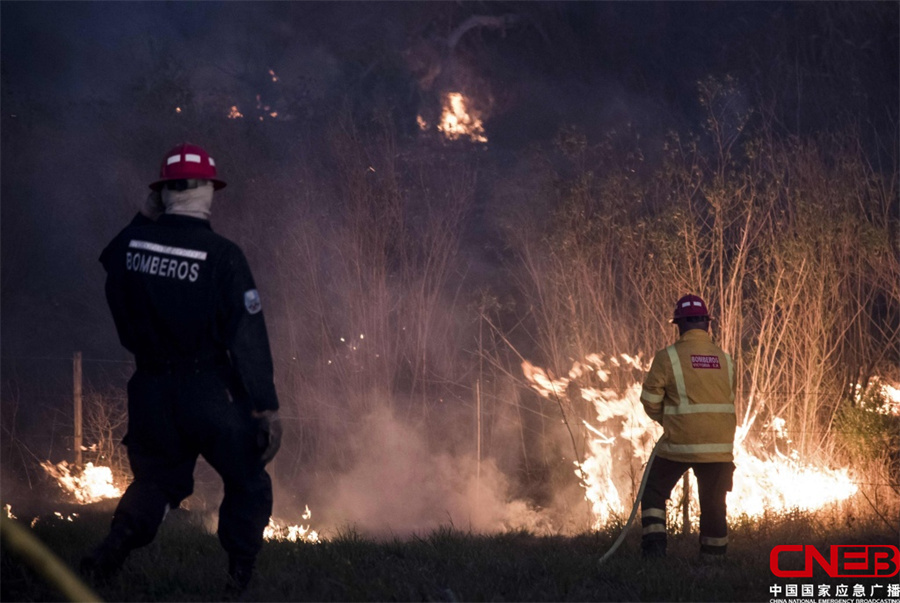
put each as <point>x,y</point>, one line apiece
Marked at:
<point>185,563</point>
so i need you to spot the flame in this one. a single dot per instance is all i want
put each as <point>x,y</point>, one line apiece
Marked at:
<point>457,122</point>
<point>177,109</point>
<point>91,485</point>
<point>784,483</point>
<point>886,394</point>
<point>274,77</point>
<point>891,391</point>
<point>762,483</point>
<point>423,125</point>
<point>234,113</point>
<point>279,531</point>
<point>7,508</point>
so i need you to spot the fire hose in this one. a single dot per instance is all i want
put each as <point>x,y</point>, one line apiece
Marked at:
<point>634,508</point>
<point>19,541</point>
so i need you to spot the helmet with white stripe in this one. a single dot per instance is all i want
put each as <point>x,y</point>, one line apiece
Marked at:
<point>187,162</point>
<point>690,306</point>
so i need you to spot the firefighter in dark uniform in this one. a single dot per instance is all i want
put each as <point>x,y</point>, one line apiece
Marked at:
<point>690,390</point>
<point>185,304</point>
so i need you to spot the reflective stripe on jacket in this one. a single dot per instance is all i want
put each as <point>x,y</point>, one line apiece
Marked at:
<point>690,390</point>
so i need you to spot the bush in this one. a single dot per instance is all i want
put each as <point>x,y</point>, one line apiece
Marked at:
<point>867,432</point>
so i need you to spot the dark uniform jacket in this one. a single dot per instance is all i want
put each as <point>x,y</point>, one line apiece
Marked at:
<point>183,297</point>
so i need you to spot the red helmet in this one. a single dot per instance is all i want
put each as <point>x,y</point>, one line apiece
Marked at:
<point>187,162</point>
<point>689,305</point>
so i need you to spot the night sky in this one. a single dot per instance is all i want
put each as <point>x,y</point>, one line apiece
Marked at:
<point>78,78</point>
<point>93,94</point>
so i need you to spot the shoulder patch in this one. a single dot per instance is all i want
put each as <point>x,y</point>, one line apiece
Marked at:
<point>252,301</point>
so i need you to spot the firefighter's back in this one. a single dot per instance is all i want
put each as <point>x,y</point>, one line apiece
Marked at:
<point>169,278</point>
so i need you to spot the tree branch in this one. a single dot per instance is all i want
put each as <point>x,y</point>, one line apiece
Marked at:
<point>501,22</point>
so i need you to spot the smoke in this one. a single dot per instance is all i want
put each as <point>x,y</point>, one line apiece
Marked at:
<point>398,484</point>
<point>105,80</point>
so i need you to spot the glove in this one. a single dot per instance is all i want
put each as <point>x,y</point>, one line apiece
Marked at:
<point>153,206</point>
<point>268,434</point>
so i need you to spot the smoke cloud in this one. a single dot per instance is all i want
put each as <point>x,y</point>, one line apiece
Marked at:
<point>355,224</point>
<point>399,486</point>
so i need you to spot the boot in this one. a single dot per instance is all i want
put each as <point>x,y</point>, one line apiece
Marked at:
<point>712,554</point>
<point>653,549</point>
<point>107,559</point>
<point>240,572</point>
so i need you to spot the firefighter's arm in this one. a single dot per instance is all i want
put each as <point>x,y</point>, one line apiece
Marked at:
<point>654,389</point>
<point>117,300</point>
<point>248,347</point>
<point>246,337</point>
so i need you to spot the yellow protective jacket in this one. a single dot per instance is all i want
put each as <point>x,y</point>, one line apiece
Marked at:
<point>690,390</point>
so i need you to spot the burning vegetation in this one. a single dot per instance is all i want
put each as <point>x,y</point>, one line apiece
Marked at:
<point>572,243</point>
<point>458,121</point>
<point>593,276</point>
<point>280,531</point>
<point>621,437</point>
<point>95,483</point>
<point>88,485</point>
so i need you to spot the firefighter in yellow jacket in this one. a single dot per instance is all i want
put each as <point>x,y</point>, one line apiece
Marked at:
<point>690,391</point>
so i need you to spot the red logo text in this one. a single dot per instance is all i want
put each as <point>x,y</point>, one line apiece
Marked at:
<point>843,561</point>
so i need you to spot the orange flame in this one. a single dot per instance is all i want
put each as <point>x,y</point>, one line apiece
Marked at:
<point>889,394</point>
<point>90,485</point>
<point>234,113</point>
<point>456,121</point>
<point>280,531</point>
<point>780,483</point>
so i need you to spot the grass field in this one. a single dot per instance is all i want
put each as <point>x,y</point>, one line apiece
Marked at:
<point>186,563</point>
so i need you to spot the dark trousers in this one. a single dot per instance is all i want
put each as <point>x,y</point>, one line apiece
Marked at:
<point>173,417</point>
<point>714,481</point>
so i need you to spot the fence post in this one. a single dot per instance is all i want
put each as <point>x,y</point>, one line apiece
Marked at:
<point>686,504</point>
<point>76,389</point>
<point>478,431</point>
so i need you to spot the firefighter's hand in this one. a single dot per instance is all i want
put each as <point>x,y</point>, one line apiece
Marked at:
<point>153,206</point>
<point>268,435</point>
